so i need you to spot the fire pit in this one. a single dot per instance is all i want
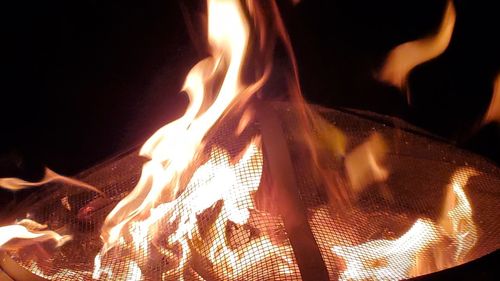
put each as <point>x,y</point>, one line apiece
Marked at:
<point>392,230</point>
<point>242,188</point>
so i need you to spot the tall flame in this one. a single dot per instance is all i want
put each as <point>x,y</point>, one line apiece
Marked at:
<point>402,59</point>
<point>173,147</point>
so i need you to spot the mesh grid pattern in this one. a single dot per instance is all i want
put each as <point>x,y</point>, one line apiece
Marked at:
<point>420,169</point>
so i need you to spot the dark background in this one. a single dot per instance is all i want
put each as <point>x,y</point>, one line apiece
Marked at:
<point>86,79</point>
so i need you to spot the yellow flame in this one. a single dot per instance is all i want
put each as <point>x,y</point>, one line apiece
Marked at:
<point>364,165</point>
<point>456,218</point>
<point>235,264</point>
<point>216,180</point>
<point>50,176</point>
<point>32,231</point>
<point>404,257</point>
<point>493,112</point>
<point>402,59</point>
<point>388,259</point>
<point>173,147</point>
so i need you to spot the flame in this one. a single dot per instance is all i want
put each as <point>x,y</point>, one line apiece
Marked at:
<point>214,181</point>
<point>493,112</point>
<point>388,259</point>
<point>228,36</point>
<point>31,232</point>
<point>364,163</point>
<point>456,218</point>
<point>404,257</point>
<point>160,218</point>
<point>50,176</point>
<point>402,59</point>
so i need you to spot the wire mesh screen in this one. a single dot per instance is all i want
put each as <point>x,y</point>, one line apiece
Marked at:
<point>367,239</point>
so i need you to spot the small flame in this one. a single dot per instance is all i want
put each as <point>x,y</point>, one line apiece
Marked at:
<point>50,176</point>
<point>402,59</point>
<point>31,232</point>
<point>364,165</point>
<point>493,112</point>
<point>388,259</point>
<point>456,218</point>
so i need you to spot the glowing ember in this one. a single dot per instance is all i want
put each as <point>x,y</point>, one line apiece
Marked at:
<point>228,35</point>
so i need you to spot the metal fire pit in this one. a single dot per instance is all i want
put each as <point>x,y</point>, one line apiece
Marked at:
<point>296,217</point>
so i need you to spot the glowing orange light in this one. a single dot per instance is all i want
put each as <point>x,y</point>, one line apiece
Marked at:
<point>493,113</point>
<point>402,59</point>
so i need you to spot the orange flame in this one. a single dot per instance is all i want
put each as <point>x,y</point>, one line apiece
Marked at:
<point>493,112</point>
<point>402,258</point>
<point>364,163</point>
<point>50,176</point>
<point>456,218</point>
<point>140,212</point>
<point>228,37</point>
<point>32,231</point>
<point>402,59</point>
<point>388,259</point>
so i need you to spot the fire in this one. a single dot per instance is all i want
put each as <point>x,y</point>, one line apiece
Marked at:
<point>29,232</point>
<point>402,59</point>
<point>388,259</point>
<point>188,179</point>
<point>493,113</point>
<point>403,257</point>
<point>364,164</point>
<point>216,180</point>
<point>140,214</point>
<point>228,35</point>
<point>50,176</point>
<point>456,219</point>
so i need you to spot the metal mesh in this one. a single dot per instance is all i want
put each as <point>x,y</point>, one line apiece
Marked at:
<point>420,169</point>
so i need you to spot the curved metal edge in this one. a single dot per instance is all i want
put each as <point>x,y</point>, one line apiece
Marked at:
<point>12,271</point>
<point>483,268</point>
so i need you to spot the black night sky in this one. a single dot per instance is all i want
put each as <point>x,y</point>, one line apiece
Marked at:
<point>84,80</point>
